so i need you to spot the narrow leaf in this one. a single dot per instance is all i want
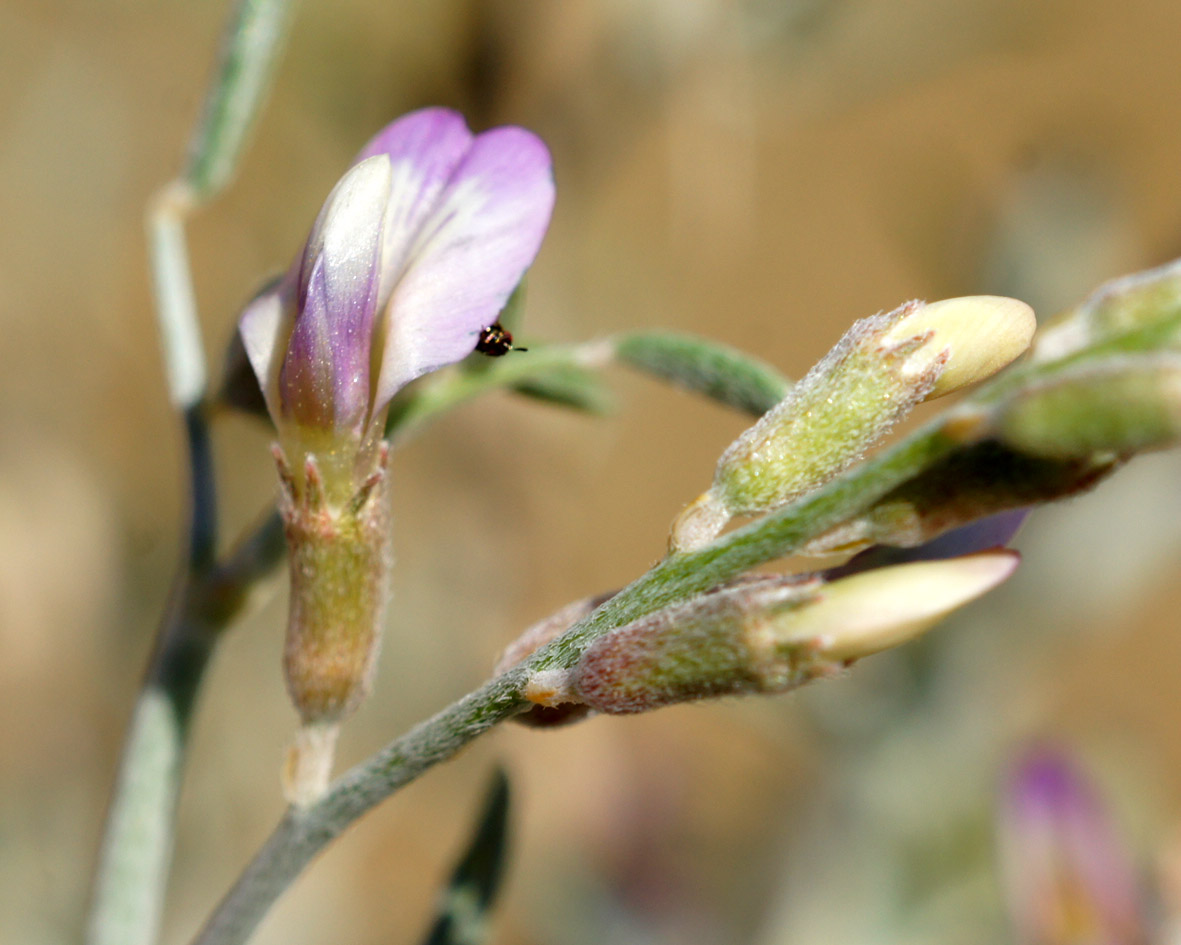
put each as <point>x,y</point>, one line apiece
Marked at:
<point>463,908</point>
<point>572,387</point>
<point>250,48</point>
<point>697,364</point>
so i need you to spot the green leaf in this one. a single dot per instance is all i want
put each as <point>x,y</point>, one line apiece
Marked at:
<point>558,373</point>
<point>465,903</point>
<point>697,364</point>
<point>250,49</point>
<point>569,386</point>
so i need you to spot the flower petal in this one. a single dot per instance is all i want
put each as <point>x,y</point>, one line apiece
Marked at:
<point>1068,875</point>
<point>424,149</point>
<point>325,378</point>
<point>451,271</point>
<point>992,531</point>
<point>264,326</point>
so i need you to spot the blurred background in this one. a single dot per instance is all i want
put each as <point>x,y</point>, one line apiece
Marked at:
<point>762,172</point>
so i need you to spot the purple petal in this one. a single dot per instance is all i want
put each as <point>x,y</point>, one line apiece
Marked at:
<point>424,149</point>
<point>325,378</point>
<point>449,267</point>
<point>1068,876</point>
<point>992,531</point>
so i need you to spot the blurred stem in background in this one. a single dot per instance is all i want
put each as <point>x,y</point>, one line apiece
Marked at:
<point>137,845</point>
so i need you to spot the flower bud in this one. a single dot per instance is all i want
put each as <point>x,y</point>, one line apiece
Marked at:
<point>883,367</point>
<point>1122,406</point>
<point>875,610</point>
<point>1067,876</point>
<point>717,644</point>
<point>1141,300</point>
<point>983,534</point>
<point>982,333</point>
<point>973,482</point>
<point>765,634</point>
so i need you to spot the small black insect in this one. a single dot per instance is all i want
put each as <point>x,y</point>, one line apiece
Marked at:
<point>496,341</point>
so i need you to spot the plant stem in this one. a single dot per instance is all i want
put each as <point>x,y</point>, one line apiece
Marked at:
<point>301,834</point>
<point>137,844</point>
<point>133,862</point>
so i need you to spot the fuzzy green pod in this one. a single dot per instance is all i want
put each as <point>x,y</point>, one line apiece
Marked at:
<point>339,562</point>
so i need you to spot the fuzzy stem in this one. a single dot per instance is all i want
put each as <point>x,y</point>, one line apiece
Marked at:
<point>137,843</point>
<point>172,288</point>
<point>253,39</point>
<point>303,832</point>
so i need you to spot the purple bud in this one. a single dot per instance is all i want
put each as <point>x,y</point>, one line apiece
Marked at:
<point>324,379</point>
<point>1067,876</point>
<point>992,531</point>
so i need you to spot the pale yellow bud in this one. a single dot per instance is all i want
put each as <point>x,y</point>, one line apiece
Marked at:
<point>983,333</point>
<point>879,609</point>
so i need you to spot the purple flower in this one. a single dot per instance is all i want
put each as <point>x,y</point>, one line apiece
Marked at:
<point>1068,878</point>
<point>415,251</point>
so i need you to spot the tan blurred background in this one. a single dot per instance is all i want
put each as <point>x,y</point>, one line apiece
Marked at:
<point>763,172</point>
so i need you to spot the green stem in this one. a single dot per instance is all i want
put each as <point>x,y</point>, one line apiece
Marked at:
<point>302,833</point>
<point>133,863</point>
<point>172,289</point>
<point>253,39</point>
<point>137,843</point>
